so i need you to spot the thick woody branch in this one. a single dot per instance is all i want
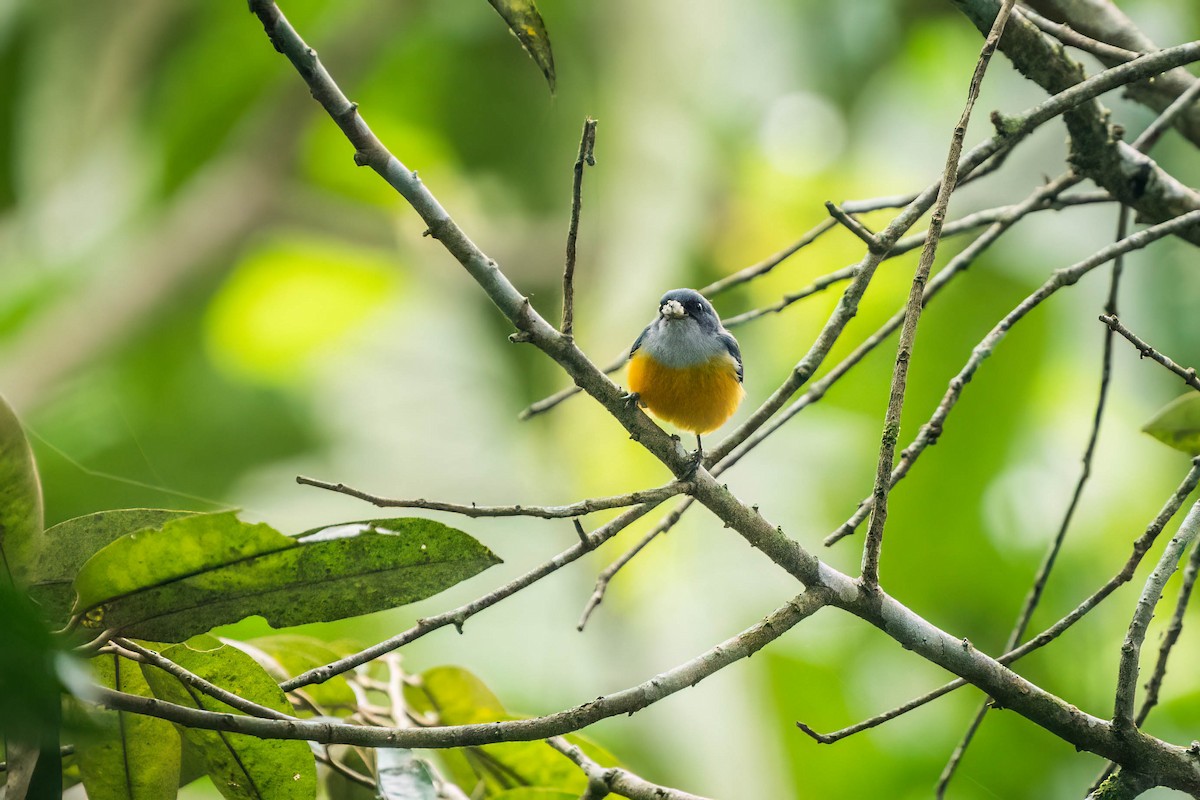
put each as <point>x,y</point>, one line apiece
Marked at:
<point>1096,150</point>
<point>578,509</point>
<point>1103,21</point>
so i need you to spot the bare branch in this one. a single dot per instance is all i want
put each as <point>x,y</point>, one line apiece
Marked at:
<point>1073,38</point>
<point>850,223</point>
<point>1187,373</point>
<point>1127,674</point>
<point>587,144</point>
<point>612,569</point>
<point>578,509</point>
<point>1170,637</point>
<point>616,780</point>
<point>912,312</point>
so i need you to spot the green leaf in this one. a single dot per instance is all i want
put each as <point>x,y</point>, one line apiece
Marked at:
<point>526,23</point>
<point>21,520</point>
<point>535,793</point>
<point>403,776</point>
<point>458,697</point>
<point>199,572</point>
<point>68,545</point>
<point>286,655</point>
<point>135,757</point>
<point>241,767</point>
<point>1178,424</point>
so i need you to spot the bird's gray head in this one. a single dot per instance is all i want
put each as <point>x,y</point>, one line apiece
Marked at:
<point>688,304</point>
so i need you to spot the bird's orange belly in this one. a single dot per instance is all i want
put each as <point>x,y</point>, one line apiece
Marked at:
<point>697,399</point>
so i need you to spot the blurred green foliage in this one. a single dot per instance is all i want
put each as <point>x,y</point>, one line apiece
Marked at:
<point>203,297</point>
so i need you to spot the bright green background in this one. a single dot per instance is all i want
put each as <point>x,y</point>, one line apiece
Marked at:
<point>203,297</point>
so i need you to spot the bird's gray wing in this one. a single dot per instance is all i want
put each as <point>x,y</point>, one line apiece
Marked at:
<point>731,346</point>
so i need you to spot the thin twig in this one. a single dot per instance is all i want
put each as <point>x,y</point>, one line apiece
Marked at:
<point>1154,131</point>
<point>615,780</point>
<point>912,314</point>
<point>542,512</point>
<point>1034,595</point>
<point>850,223</point>
<point>1131,649</point>
<point>1187,373</point>
<point>1069,36</point>
<point>1125,574</point>
<point>612,569</point>
<point>587,144</point>
<point>932,429</point>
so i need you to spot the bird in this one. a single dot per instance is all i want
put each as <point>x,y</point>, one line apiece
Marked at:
<point>685,367</point>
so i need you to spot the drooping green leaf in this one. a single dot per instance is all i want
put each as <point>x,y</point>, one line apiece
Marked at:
<point>21,520</point>
<point>457,697</point>
<point>535,793</point>
<point>134,757</point>
<point>241,767</point>
<point>526,23</point>
<point>68,545</point>
<point>403,776</point>
<point>1177,424</point>
<point>286,655</point>
<point>196,573</point>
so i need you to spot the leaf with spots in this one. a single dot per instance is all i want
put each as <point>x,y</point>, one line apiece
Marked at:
<point>526,23</point>
<point>241,767</point>
<point>199,572</point>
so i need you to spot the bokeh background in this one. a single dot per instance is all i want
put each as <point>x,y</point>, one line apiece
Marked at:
<point>203,297</point>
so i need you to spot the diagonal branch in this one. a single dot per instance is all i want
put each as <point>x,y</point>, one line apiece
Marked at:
<point>1187,373</point>
<point>1189,531</point>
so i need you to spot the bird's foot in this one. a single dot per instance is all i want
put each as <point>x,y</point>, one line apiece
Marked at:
<point>631,400</point>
